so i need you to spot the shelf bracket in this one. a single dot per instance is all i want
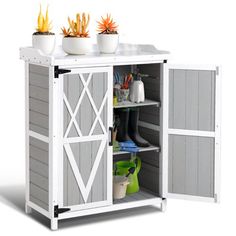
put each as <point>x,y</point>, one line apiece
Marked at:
<point>58,71</point>
<point>58,210</point>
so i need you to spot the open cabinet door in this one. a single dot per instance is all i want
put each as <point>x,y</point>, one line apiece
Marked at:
<point>190,132</point>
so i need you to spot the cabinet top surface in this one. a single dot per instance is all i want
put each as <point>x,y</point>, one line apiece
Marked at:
<point>126,54</point>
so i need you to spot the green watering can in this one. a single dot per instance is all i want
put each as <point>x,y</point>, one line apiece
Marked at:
<point>131,169</point>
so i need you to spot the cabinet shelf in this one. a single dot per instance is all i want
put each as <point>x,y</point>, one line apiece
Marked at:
<point>127,104</point>
<point>141,195</point>
<point>146,149</point>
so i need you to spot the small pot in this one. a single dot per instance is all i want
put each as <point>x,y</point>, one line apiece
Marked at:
<point>45,43</point>
<point>107,43</point>
<point>119,186</point>
<point>75,45</point>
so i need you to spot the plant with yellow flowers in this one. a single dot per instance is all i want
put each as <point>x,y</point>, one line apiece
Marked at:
<point>107,26</point>
<point>44,25</point>
<point>77,28</point>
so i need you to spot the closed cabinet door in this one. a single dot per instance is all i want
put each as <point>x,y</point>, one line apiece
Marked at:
<point>191,132</point>
<point>86,162</point>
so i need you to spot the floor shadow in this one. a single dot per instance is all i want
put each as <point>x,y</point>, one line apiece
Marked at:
<point>111,216</point>
<point>14,196</point>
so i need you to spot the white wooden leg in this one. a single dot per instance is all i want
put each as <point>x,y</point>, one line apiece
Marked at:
<point>28,209</point>
<point>54,224</point>
<point>163,205</point>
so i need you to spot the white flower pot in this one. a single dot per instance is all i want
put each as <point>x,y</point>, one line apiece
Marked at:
<point>107,43</point>
<point>76,46</point>
<point>45,43</point>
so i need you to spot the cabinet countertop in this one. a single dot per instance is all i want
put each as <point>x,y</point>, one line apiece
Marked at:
<point>126,54</point>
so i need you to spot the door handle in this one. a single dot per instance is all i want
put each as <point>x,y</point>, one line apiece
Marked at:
<point>111,136</point>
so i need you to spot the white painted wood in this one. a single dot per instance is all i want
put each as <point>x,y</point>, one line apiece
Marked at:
<point>191,132</point>
<point>73,120</point>
<point>114,207</point>
<point>60,129</point>
<point>92,103</point>
<point>190,197</point>
<point>28,209</point>
<point>126,54</point>
<point>84,139</point>
<point>54,224</point>
<point>163,205</point>
<point>38,136</point>
<point>109,148</point>
<point>191,67</point>
<point>147,102</point>
<point>54,140</point>
<point>217,170</point>
<point>38,209</point>
<point>164,119</point>
<point>27,164</point>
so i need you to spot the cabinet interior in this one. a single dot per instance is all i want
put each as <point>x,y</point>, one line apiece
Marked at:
<point>149,126</point>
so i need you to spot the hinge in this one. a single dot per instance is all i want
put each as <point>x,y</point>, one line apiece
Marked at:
<point>217,70</point>
<point>58,71</point>
<point>58,210</point>
<point>165,61</point>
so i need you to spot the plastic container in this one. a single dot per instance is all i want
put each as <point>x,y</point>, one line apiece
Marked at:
<point>119,186</point>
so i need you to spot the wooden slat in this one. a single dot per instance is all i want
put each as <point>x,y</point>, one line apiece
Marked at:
<point>38,93</point>
<point>39,193</point>
<point>42,70</point>
<point>39,119</point>
<point>38,80</point>
<point>38,143</point>
<point>39,106</point>
<point>38,154</point>
<point>39,180</point>
<point>39,167</point>
<point>39,203</point>
<point>38,129</point>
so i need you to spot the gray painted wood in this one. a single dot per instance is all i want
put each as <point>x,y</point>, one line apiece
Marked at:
<point>85,152</point>
<point>191,165</point>
<point>151,136</point>
<point>38,129</point>
<point>41,70</point>
<point>39,167</point>
<point>143,194</point>
<point>38,80</point>
<point>38,143</point>
<point>38,93</point>
<point>38,99</point>
<point>39,193</point>
<point>39,203</point>
<point>38,154</point>
<point>149,177</point>
<point>38,151</point>
<point>192,99</point>
<point>38,119</point>
<point>39,180</point>
<point>38,106</point>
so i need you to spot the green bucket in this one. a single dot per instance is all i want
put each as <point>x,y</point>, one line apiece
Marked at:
<point>122,168</point>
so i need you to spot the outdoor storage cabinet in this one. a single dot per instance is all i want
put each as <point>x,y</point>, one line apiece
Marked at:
<point>69,120</point>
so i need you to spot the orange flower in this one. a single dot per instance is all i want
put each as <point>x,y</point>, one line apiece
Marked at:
<point>107,25</point>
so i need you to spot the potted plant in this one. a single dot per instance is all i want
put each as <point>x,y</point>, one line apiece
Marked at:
<point>43,39</point>
<point>108,37</point>
<point>76,38</point>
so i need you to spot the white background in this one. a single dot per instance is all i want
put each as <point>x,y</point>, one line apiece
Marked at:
<point>198,32</point>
